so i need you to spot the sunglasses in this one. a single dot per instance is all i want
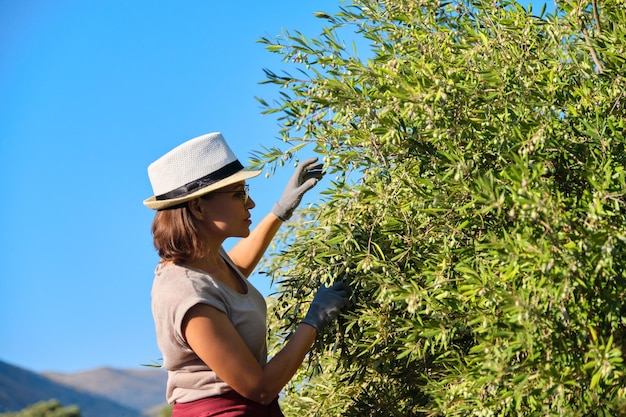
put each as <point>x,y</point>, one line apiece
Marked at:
<point>243,194</point>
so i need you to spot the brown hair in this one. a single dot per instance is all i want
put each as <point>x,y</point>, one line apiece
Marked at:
<point>176,236</point>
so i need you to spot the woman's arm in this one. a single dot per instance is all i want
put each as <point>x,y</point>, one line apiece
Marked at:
<point>247,253</point>
<point>215,340</point>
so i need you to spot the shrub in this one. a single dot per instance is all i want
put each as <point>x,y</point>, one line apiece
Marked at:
<point>476,206</point>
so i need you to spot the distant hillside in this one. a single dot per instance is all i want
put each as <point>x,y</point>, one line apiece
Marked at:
<point>139,389</point>
<point>20,388</point>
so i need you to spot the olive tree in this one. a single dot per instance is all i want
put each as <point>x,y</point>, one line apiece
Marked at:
<point>51,408</point>
<point>475,204</point>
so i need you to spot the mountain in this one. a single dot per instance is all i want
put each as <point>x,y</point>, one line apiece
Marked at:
<point>139,389</point>
<point>97,393</point>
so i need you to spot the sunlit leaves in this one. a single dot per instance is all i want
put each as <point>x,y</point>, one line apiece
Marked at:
<point>477,207</point>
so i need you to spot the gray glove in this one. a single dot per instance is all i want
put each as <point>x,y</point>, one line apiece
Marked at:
<point>307,174</point>
<point>327,304</point>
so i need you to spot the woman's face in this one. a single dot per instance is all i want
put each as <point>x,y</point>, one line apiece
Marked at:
<point>226,211</point>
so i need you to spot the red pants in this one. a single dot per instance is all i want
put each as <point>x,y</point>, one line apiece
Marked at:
<point>230,404</point>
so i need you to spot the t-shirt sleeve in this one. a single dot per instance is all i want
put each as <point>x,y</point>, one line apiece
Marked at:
<point>186,292</point>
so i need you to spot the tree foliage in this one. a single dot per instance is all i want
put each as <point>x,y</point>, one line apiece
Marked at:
<point>50,408</point>
<point>476,206</point>
<point>166,411</point>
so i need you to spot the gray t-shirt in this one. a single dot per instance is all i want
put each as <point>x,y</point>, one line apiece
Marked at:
<point>178,288</point>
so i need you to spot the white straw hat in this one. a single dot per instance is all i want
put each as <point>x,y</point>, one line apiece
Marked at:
<point>192,169</point>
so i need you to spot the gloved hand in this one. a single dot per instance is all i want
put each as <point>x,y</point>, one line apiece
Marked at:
<point>307,174</point>
<point>327,304</point>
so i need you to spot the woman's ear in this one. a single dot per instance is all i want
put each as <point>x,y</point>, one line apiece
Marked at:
<point>196,209</point>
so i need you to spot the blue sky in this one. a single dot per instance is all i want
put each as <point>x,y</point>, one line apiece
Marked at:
<point>91,92</point>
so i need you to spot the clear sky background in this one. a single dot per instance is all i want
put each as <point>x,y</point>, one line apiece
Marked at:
<point>91,92</point>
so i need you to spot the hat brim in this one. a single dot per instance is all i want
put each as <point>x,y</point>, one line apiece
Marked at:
<point>242,175</point>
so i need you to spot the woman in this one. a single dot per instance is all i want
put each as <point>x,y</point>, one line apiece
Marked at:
<point>210,321</point>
